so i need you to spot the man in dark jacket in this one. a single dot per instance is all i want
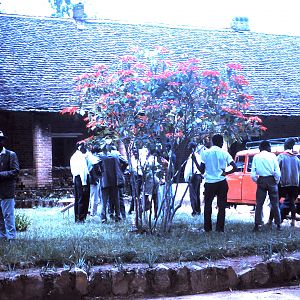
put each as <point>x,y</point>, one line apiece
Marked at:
<point>9,169</point>
<point>112,179</point>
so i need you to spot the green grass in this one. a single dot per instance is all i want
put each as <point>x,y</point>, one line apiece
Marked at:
<point>52,240</point>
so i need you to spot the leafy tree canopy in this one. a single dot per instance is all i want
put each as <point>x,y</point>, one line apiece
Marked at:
<point>62,8</point>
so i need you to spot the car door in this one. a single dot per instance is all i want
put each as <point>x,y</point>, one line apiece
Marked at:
<point>248,185</point>
<point>235,181</point>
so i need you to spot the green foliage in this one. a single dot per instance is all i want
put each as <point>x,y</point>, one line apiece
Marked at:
<point>22,222</point>
<point>151,257</point>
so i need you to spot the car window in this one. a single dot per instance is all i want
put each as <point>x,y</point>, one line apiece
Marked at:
<point>250,159</point>
<point>240,163</point>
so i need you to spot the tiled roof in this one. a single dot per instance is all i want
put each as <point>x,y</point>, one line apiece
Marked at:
<point>40,56</point>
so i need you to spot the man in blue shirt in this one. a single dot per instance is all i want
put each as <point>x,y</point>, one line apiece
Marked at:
<point>266,173</point>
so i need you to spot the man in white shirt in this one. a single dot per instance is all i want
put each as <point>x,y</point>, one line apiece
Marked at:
<point>80,168</point>
<point>194,178</point>
<point>214,161</point>
<point>266,173</point>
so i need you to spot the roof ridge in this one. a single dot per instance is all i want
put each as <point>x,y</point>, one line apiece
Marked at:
<point>153,24</point>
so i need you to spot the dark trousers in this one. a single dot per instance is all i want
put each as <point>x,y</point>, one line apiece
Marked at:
<point>194,189</point>
<point>211,190</point>
<point>82,196</point>
<point>290,193</point>
<point>110,198</point>
<point>266,184</point>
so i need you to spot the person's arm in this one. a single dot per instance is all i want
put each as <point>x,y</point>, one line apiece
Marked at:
<point>13,167</point>
<point>254,175</point>
<point>199,167</point>
<point>277,172</point>
<point>232,170</point>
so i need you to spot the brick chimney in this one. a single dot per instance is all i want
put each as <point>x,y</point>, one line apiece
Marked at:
<point>240,24</point>
<point>78,12</point>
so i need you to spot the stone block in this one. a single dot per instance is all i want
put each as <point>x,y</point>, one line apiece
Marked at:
<point>100,283</point>
<point>213,279</point>
<point>255,277</point>
<point>139,283</point>
<point>180,280</point>
<point>161,281</point>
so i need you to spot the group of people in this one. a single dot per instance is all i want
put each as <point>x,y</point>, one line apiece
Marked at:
<point>279,177</point>
<point>98,175</point>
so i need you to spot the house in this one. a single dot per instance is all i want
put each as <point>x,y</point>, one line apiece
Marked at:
<point>40,56</point>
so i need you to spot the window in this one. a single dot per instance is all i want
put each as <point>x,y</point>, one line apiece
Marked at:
<point>240,163</point>
<point>250,159</point>
<point>62,150</point>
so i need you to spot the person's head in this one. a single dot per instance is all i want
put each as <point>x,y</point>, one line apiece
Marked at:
<point>217,140</point>
<point>81,147</point>
<point>2,139</point>
<point>95,149</point>
<point>265,146</point>
<point>192,146</point>
<point>289,144</point>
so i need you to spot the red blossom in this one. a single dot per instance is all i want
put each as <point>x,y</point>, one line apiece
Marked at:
<point>100,67</point>
<point>263,128</point>
<point>168,63</point>
<point>128,58</point>
<point>80,77</point>
<point>182,66</point>
<point>164,75</point>
<point>239,79</point>
<point>162,50</point>
<point>224,85</point>
<point>125,72</point>
<point>139,65</point>
<point>194,60</point>
<point>234,66</point>
<point>194,68</point>
<point>207,73</point>
<point>234,112</point>
<point>255,119</point>
<point>70,110</point>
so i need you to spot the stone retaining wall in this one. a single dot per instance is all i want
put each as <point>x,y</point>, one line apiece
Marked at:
<point>140,281</point>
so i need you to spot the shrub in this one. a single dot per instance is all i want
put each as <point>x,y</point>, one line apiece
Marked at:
<point>22,222</point>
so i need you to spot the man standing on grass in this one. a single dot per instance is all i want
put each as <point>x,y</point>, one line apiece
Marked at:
<point>266,173</point>
<point>194,178</point>
<point>9,169</point>
<point>80,168</point>
<point>288,187</point>
<point>214,161</point>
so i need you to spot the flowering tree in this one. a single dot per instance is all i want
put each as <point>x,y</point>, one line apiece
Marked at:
<point>147,99</point>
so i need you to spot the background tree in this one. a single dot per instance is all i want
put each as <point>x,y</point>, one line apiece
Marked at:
<point>62,8</point>
<point>148,100</point>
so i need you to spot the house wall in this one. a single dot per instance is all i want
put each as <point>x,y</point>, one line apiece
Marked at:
<point>30,136</point>
<point>281,126</point>
<point>42,149</point>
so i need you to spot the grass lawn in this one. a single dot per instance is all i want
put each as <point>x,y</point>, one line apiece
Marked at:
<point>52,240</point>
